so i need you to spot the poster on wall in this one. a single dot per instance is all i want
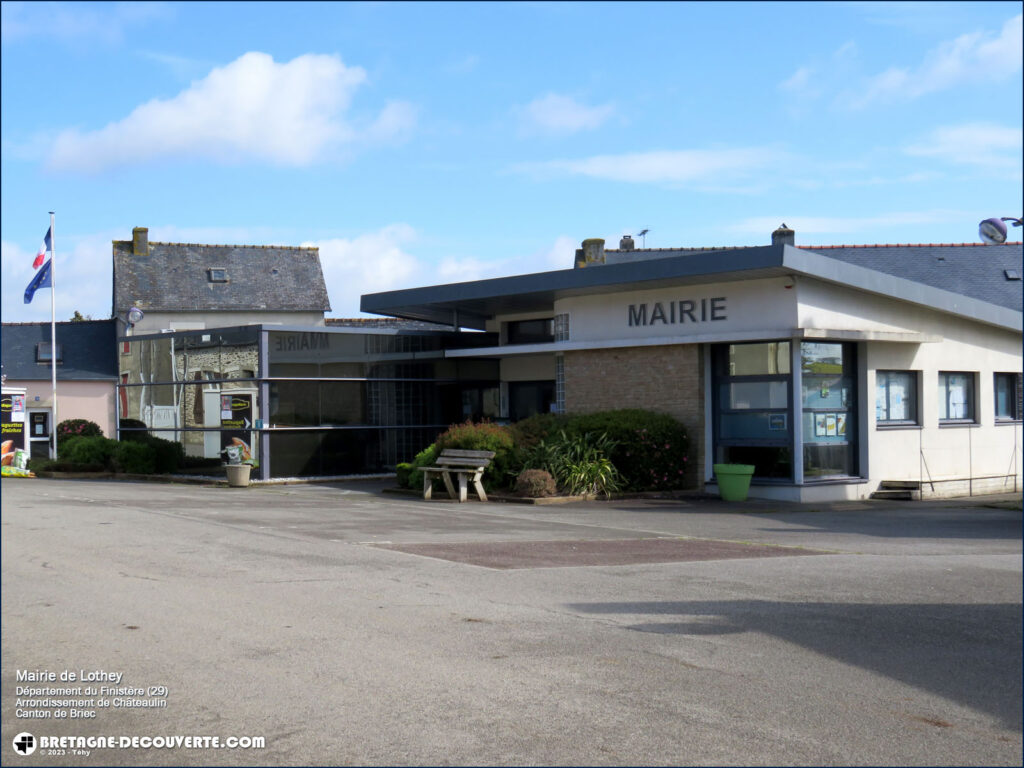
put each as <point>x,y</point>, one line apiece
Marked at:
<point>236,427</point>
<point>12,427</point>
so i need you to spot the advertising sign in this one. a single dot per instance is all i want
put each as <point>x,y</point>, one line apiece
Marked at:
<point>12,426</point>
<point>236,426</point>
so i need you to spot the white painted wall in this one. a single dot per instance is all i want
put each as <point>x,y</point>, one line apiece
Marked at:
<point>754,305</point>
<point>928,451</point>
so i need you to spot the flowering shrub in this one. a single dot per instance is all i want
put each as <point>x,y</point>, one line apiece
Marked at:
<point>482,436</point>
<point>77,428</point>
<point>650,450</point>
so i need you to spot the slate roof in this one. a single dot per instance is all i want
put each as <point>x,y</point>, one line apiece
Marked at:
<point>970,269</point>
<point>968,280</point>
<point>174,277</point>
<point>88,351</point>
<point>384,322</point>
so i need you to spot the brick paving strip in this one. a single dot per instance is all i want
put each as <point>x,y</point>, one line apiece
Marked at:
<point>506,555</point>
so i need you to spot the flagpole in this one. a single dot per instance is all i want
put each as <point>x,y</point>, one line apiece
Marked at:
<point>53,333</point>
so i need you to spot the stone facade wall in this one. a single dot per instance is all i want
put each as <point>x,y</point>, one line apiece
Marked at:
<point>668,379</point>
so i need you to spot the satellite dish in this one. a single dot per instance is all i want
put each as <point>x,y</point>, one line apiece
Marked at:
<point>135,315</point>
<point>992,231</point>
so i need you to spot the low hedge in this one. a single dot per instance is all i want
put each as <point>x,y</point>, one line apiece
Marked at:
<point>142,453</point>
<point>651,449</point>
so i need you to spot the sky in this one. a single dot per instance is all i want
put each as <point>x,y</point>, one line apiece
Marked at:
<point>425,143</point>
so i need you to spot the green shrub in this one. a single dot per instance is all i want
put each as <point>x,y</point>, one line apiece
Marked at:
<point>579,462</point>
<point>483,436</point>
<point>77,428</point>
<point>50,465</point>
<point>131,424</point>
<point>135,458</point>
<point>533,429</point>
<point>168,455</point>
<point>88,450</point>
<point>413,478</point>
<point>535,484</point>
<point>595,475</point>
<point>651,449</point>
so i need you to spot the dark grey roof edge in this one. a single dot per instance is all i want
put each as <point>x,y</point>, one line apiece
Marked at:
<point>343,329</point>
<point>594,276</point>
<point>821,267</point>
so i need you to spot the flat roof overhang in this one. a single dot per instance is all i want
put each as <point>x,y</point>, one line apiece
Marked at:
<point>471,304</point>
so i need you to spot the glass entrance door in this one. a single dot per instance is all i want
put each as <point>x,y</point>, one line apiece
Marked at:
<point>752,406</point>
<point>829,419</point>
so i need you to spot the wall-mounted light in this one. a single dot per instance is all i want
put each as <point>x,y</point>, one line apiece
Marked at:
<point>993,231</point>
<point>132,317</point>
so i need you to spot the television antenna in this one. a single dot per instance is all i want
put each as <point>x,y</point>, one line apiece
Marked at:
<point>643,233</point>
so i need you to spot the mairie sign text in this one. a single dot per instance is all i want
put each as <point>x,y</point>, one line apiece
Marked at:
<point>678,312</point>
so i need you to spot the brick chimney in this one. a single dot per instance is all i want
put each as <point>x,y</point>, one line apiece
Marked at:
<point>593,251</point>
<point>140,241</point>
<point>783,236</point>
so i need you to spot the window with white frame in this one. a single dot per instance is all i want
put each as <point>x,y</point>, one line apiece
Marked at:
<point>1008,396</point>
<point>895,398</point>
<point>956,397</point>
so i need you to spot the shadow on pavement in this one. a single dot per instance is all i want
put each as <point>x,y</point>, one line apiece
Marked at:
<point>969,654</point>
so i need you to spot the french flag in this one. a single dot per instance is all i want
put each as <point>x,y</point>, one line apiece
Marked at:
<point>43,249</point>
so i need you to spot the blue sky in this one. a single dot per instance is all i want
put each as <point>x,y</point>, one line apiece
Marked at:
<point>418,144</point>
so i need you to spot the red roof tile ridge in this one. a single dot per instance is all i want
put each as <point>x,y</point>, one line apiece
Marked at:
<point>235,245</point>
<point>904,245</point>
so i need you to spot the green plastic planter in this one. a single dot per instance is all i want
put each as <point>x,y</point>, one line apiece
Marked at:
<point>734,480</point>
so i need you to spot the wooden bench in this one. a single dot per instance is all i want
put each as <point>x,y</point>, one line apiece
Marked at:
<point>467,466</point>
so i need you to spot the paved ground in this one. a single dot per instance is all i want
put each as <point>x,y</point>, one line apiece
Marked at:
<point>350,627</point>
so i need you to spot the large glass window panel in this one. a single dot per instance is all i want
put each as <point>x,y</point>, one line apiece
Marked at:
<point>754,394</point>
<point>754,425</point>
<point>295,403</point>
<point>770,462</point>
<point>770,358</point>
<point>956,397</point>
<point>825,461</point>
<point>821,357</point>
<point>531,331</point>
<point>828,396</point>
<point>895,397</point>
<point>312,453</point>
<point>1008,396</point>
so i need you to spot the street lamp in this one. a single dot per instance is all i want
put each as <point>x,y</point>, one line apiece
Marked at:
<point>993,231</point>
<point>133,316</point>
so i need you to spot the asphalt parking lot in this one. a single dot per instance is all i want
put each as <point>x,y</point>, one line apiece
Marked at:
<point>347,626</point>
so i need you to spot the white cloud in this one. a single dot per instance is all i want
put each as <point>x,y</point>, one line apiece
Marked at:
<point>798,81</point>
<point>981,144</point>
<point>973,57</point>
<point>83,280</point>
<point>394,124</point>
<point>556,115</point>
<point>289,114</point>
<point>369,263</point>
<point>557,255</point>
<point>670,166</point>
<point>96,23</point>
